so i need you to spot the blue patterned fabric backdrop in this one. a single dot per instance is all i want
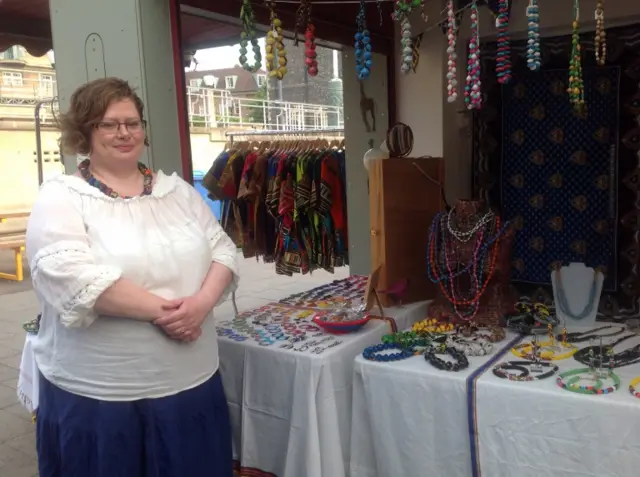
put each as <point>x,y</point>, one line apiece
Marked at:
<point>558,176</point>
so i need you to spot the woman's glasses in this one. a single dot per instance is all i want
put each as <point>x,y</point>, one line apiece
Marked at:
<point>112,127</point>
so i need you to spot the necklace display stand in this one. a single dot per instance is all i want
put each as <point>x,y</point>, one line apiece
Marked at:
<point>577,294</point>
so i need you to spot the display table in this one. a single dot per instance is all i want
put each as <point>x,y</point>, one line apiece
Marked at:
<point>529,429</point>
<point>410,419</point>
<point>291,412</point>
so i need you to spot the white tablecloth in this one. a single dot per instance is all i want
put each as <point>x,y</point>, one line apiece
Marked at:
<point>28,380</point>
<point>291,412</point>
<point>532,429</point>
<point>410,419</point>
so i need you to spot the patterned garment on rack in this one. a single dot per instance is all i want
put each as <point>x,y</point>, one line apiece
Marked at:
<point>559,183</point>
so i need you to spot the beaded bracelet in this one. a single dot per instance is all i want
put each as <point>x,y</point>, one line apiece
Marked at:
<point>470,347</point>
<point>461,360</point>
<point>500,370</point>
<point>571,385</point>
<point>374,353</point>
<point>632,387</point>
<point>525,350</point>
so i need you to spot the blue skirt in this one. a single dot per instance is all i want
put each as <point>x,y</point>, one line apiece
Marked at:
<point>184,435</point>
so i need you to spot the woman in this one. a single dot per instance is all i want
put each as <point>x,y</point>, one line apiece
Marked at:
<point>127,265</point>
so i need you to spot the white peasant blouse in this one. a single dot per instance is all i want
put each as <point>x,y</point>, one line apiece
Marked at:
<point>81,241</point>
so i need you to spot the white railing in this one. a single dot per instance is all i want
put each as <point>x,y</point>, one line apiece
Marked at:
<point>214,108</point>
<point>17,89</point>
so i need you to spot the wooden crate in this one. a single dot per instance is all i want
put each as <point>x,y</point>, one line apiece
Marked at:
<point>402,205</point>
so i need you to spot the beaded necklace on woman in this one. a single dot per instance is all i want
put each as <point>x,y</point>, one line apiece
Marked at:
<point>88,176</point>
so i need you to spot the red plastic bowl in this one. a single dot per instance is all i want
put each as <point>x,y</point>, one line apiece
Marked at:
<point>341,327</point>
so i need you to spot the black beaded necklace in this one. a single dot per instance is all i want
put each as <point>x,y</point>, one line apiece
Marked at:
<point>88,176</point>
<point>579,337</point>
<point>598,356</point>
<point>461,360</point>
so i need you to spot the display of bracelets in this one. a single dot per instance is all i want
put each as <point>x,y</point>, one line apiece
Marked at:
<point>579,337</point>
<point>474,346</point>
<point>589,381</point>
<point>529,370</point>
<point>551,350</point>
<point>312,346</point>
<point>632,387</point>
<point>348,292</point>
<point>494,334</point>
<point>605,355</point>
<point>432,325</point>
<point>460,360</point>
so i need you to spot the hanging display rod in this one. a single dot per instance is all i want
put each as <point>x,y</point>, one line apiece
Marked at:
<point>280,132</point>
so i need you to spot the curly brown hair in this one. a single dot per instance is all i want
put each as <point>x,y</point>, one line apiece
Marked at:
<point>87,107</point>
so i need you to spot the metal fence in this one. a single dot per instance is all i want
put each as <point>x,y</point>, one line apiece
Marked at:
<point>215,108</point>
<point>16,88</point>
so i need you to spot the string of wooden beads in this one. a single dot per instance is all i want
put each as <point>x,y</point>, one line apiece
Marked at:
<point>601,35</point>
<point>247,36</point>
<point>276,52</point>
<point>452,31</point>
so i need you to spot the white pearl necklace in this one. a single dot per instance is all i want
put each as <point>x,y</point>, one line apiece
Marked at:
<point>465,236</point>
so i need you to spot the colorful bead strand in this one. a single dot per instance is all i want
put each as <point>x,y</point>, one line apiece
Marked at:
<point>310,50</point>
<point>362,44</point>
<point>247,36</point>
<point>632,387</point>
<point>533,43</point>
<point>276,59</point>
<point>600,43</point>
<point>472,93</point>
<point>576,81</point>
<point>503,57</point>
<point>452,31</point>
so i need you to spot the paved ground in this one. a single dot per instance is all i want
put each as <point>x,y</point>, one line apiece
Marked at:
<point>259,285</point>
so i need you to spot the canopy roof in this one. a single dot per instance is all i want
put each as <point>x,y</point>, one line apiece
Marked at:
<point>27,23</point>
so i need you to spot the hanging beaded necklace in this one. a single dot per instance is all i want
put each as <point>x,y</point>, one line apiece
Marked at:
<point>247,36</point>
<point>465,236</point>
<point>86,174</point>
<point>533,43</point>
<point>563,304</point>
<point>503,57</point>
<point>472,93</point>
<point>363,44</point>
<point>276,53</point>
<point>401,11</point>
<point>576,82</point>
<point>452,32</point>
<point>600,43</point>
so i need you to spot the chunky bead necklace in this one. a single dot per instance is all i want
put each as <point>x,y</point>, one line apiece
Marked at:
<point>303,20</point>
<point>563,304</point>
<point>363,44</point>
<point>501,370</point>
<point>573,383</point>
<point>472,93</point>
<point>401,11</point>
<point>461,361</point>
<point>85,172</point>
<point>276,52</point>
<point>601,35</point>
<point>533,43</point>
<point>470,346</point>
<point>503,57</point>
<point>576,81</point>
<point>452,33</point>
<point>597,355</point>
<point>377,352</point>
<point>247,36</point>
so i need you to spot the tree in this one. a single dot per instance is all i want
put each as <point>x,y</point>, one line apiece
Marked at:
<point>256,114</point>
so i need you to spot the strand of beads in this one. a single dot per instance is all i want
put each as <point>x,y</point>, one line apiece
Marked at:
<point>248,35</point>
<point>401,11</point>
<point>276,52</point>
<point>363,44</point>
<point>310,50</point>
<point>452,81</point>
<point>601,35</point>
<point>503,58</point>
<point>576,82</point>
<point>533,43</point>
<point>472,93</point>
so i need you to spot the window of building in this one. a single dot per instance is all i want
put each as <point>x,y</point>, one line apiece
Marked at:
<point>11,78</point>
<point>46,83</point>
<point>195,82</point>
<point>261,80</point>
<point>13,53</point>
<point>211,81</point>
<point>230,82</point>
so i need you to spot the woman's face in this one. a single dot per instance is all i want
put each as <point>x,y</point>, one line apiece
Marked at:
<point>120,135</point>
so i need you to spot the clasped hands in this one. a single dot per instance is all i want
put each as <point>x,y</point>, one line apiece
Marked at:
<point>183,318</point>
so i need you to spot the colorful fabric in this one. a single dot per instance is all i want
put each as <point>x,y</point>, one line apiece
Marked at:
<point>559,174</point>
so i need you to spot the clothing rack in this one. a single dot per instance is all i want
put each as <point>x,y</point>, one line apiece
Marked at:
<point>280,132</point>
<point>276,132</point>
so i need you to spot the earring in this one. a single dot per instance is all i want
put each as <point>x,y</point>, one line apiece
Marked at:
<point>146,141</point>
